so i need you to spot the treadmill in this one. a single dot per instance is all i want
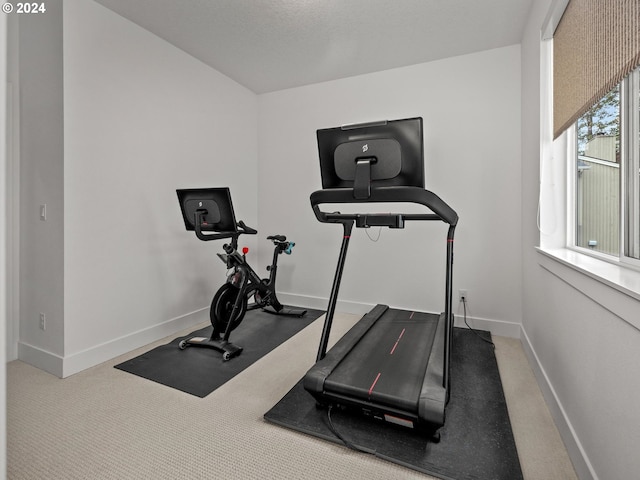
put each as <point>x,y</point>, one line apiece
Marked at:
<point>393,365</point>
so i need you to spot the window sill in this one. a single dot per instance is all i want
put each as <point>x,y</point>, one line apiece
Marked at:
<point>613,286</point>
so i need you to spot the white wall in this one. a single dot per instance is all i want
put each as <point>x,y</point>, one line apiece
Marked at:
<point>41,182</point>
<point>4,214</point>
<point>471,110</point>
<point>12,191</point>
<point>575,329</point>
<point>141,118</point>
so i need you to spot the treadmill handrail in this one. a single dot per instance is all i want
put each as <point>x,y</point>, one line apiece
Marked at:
<point>395,194</point>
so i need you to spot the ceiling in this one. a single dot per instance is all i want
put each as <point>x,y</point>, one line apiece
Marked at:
<point>269,45</point>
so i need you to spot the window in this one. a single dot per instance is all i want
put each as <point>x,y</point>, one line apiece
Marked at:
<point>607,174</point>
<point>632,187</point>
<point>611,279</point>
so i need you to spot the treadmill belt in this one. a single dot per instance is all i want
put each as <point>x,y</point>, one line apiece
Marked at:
<point>388,364</point>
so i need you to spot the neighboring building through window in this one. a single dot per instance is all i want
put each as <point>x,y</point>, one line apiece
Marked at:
<point>598,176</point>
<point>607,173</point>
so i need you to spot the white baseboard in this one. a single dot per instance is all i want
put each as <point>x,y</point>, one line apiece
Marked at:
<point>578,456</point>
<point>76,362</point>
<point>42,359</point>
<point>320,303</point>
<point>496,327</point>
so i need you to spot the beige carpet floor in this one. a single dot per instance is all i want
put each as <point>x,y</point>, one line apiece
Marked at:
<point>103,423</point>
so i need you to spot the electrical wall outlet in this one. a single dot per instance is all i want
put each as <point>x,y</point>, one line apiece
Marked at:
<point>43,322</point>
<point>463,296</point>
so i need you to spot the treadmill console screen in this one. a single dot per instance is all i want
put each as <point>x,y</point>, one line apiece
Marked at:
<point>385,153</point>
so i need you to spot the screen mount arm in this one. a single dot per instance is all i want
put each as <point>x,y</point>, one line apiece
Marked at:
<point>362,180</point>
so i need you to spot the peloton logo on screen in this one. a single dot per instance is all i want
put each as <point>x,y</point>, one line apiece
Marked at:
<point>365,147</point>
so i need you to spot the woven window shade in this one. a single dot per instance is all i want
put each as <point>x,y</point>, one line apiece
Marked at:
<point>596,45</point>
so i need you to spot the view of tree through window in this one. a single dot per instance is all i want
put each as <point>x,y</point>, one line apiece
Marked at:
<point>602,119</point>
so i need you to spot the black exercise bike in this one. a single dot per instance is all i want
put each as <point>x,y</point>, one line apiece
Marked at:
<point>232,300</point>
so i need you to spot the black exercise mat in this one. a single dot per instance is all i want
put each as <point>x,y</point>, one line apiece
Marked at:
<point>199,371</point>
<point>476,440</point>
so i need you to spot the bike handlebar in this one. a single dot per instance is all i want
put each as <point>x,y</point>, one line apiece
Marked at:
<point>213,236</point>
<point>246,229</point>
<point>241,228</point>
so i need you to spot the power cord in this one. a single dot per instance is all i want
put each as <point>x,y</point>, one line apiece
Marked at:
<point>464,306</point>
<point>346,442</point>
<point>366,230</point>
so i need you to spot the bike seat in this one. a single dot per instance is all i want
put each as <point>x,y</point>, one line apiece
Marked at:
<point>278,238</point>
